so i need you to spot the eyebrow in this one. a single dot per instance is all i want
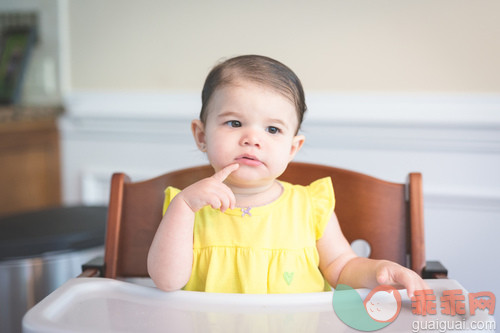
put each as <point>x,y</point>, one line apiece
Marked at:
<point>279,122</point>
<point>228,114</point>
<point>276,121</point>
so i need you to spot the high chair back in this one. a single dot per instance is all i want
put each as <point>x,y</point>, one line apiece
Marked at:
<point>389,216</point>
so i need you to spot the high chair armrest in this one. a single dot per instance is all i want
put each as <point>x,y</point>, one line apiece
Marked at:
<point>93,268</point>
<point>434,270</point>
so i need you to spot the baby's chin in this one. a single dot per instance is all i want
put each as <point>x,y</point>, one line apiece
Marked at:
<point>248,180</point>
<point>244,182</point>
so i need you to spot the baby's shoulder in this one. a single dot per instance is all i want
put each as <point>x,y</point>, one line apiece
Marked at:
<point>318,188</point>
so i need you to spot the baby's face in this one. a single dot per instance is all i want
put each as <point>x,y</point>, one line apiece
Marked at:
<point>254,126</point>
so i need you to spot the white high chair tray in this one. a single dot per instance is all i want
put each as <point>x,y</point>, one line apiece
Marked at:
<point>106,305</point>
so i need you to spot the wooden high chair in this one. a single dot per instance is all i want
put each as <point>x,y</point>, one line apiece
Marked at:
<point>389,216</point>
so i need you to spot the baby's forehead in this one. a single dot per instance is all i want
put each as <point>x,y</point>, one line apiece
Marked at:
<point>265,85</point>
<point>227,104</point>
<point>252,87</point>
<point>234,77</point>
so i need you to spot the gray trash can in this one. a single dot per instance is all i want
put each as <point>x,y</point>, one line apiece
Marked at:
<point>41,250</point>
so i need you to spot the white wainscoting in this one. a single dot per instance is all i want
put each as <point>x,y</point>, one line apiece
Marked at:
<point>454,140</point>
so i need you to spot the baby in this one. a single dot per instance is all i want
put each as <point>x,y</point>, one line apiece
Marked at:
<point>242,230</point>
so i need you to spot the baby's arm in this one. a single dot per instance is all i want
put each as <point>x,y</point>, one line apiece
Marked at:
<point>170,256</point>
<point>339,264</point>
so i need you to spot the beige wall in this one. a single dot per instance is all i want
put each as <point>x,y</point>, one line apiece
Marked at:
<point>336,45</point>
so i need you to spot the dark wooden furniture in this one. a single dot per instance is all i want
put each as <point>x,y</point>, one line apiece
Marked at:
<point>29,162</point>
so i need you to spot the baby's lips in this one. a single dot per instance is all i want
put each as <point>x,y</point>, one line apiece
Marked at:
<point>249,160</point>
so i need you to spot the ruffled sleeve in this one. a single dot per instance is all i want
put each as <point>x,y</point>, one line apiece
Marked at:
<point>170,193</point>
<point>323,201</point>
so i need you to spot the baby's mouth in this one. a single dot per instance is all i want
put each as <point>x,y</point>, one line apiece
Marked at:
<point>248,160</point>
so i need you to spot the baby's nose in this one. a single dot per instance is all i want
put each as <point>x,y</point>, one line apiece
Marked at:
<point>251,138</point>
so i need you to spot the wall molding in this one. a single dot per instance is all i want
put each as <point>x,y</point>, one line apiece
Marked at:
<point>451,110</point>
<point>425,122</point>
<point>390,124</point>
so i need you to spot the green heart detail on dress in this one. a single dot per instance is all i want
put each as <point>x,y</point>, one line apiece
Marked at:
<point>288,276</point>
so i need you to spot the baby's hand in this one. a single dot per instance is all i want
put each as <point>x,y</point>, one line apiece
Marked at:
<point>388,272</point>
<point>211,191</point>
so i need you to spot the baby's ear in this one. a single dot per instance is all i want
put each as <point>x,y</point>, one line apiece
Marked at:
<point>198,129</point>
<point>297,143</point>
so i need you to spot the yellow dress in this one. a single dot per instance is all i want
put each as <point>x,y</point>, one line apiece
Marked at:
<point>265,249</point>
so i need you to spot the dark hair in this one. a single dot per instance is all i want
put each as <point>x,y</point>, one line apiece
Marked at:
<point>258,69</point>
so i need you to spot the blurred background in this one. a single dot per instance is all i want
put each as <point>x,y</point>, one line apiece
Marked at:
<point>392,87</point>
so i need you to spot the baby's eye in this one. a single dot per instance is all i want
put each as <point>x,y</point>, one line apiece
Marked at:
<point>273,130</point>
<point>233,123</point>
